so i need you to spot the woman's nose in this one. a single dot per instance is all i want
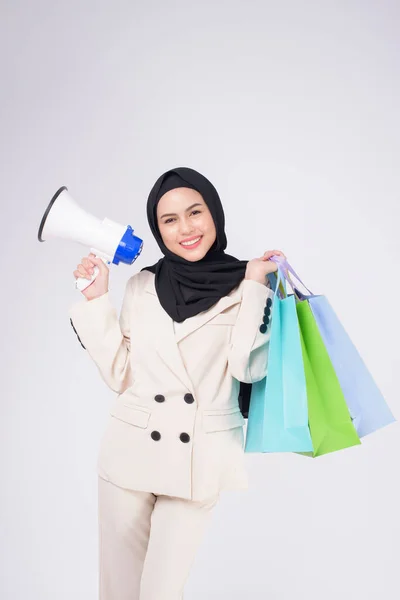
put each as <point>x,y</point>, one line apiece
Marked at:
<point>186,227</point>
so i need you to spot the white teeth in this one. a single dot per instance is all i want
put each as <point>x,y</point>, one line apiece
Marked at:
<point>190,243</point>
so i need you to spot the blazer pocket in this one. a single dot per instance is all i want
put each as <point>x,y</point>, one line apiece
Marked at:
<point>137,416</point>
<point>222,420</point>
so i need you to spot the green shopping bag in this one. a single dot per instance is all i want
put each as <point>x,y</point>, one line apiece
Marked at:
<point>329,419</point>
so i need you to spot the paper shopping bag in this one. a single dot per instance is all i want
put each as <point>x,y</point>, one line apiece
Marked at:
<point>329,419</point>
<point>366,404</point>
<point>365,401</point>
<point>278,412</point>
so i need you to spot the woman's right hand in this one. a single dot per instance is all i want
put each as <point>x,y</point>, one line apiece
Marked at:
<point>85,269</point>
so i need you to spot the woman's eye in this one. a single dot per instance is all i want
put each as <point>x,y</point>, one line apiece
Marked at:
<point>172,219</point>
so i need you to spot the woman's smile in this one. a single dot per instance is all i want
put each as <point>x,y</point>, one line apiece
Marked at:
<point>191,243</point>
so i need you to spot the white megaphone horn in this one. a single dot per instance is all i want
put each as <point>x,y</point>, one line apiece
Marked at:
<point>108,240</point>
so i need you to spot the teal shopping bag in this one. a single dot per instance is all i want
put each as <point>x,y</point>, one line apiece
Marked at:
<point>278,413</point>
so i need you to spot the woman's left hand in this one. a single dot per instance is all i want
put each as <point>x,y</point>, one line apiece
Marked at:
<point>258,268</point>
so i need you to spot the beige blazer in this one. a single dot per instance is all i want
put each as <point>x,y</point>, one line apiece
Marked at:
<point>175,426</point>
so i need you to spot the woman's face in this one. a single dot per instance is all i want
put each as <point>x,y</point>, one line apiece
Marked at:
<point>185,223</point>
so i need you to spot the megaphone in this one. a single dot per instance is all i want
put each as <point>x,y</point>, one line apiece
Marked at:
<point>108,240</point>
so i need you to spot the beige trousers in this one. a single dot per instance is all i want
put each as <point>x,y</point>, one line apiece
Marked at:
<point>147,543</point>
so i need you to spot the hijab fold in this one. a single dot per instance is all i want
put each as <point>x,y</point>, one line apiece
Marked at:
<point>186,288</point>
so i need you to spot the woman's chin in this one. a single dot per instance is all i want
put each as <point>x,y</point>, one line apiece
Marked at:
<point>192,255</point>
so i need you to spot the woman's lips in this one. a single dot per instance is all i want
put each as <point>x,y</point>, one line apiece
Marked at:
<point>192,246</point>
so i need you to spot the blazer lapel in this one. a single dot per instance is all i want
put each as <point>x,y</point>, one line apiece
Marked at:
<point>167,341</point>
<point>190,325</point>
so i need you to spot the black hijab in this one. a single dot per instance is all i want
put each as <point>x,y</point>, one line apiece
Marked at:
<point>186,288</point>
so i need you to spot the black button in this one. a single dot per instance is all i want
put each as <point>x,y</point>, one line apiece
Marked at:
<point>184,437</point>
<point>266,320</point>
<point>159,398</point>
<point>263,328</point>
<point>267,311</point>
<point>269,302</point>
<point>156,435</point>
<point>188,398</point>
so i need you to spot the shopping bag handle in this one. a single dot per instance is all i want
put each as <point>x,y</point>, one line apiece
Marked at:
<point>286,268</point>
<point>280,288</point>
<point>278,280</point>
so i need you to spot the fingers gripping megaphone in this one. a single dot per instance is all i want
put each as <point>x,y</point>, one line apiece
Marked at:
<point>110,241</point>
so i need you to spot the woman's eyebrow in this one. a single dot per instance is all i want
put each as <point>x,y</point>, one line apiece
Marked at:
<point>174,214</point>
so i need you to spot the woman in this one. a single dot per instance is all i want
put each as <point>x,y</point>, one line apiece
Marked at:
<point>191,327</point>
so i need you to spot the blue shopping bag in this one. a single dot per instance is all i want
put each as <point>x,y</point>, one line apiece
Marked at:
<point>278,413</point>
<point>365,402</point>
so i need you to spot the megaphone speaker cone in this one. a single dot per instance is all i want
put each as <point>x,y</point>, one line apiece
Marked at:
<point>47,212</point>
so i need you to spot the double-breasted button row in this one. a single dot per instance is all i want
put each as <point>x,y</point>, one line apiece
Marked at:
<point>188,398</point>
<point>266,317</point>
<point>184,437</point>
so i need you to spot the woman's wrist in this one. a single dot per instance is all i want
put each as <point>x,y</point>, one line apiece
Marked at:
<point>263,280</point>
<point>97,296</point>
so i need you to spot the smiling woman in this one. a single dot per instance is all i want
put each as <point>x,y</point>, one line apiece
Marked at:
<point>185,223</point>
<point>184,207</point>
<point>191,329</point>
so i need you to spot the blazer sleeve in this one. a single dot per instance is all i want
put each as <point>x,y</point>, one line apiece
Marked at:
<point>106,337</point>
<point>248,354</point>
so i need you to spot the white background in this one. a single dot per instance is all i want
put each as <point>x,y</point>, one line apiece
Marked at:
<point>292,110</point>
